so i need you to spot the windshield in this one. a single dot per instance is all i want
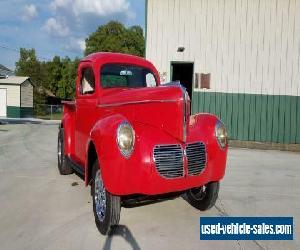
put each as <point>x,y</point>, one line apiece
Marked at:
<point>128,76</point>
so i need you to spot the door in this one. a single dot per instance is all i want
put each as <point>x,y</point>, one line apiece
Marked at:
<point>3,103</point>
<point>183,72</point>
<point>86,105</point>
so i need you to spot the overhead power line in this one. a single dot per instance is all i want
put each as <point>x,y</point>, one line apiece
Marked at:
<point>18,50</point>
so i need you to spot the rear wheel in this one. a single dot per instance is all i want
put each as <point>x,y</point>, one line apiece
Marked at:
<point>63,166</point>
<point>204,197</point>
<point>106,206</point>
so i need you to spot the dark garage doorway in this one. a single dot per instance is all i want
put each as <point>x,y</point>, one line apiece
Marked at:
<point>183,72</point>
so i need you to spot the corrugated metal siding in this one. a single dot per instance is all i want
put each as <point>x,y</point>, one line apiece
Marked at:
<point>247,46</point>
<point>252,50</point>
<point>13,94</point>
<point>250,117</point>
<point>26,94</point>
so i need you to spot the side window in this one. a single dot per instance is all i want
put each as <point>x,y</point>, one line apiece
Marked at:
<point>87,84</point>
<point>150,80</point>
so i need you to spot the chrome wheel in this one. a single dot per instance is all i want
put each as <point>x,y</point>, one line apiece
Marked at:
<point>106,206</point>
<point>99,196</point>
<point>63,166</point>
<point>198,193</point>
<point>59,150</point>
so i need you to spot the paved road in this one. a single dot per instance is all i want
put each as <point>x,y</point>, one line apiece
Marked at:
<point>39,209</point>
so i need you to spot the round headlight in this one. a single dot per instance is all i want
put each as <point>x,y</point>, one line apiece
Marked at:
<point>125,138</point>
<point>221,134</point>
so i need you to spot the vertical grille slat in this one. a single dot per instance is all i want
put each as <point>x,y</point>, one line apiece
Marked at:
<point>169,160</point>
<point>196,156</point>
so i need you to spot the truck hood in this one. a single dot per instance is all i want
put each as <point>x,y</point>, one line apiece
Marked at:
<point>164,107</point>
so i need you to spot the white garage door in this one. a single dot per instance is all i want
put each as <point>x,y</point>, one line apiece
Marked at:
<point>2,102</point>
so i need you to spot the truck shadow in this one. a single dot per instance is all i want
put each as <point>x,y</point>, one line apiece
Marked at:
<point>143,200</point>
<point>14,121</point>
<point>124,232</point>
<point>18,121</point>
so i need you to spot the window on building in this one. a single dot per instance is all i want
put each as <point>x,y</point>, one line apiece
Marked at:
<point>202,81</point>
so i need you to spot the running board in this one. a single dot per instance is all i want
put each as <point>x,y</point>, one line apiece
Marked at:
<point>76,167</point>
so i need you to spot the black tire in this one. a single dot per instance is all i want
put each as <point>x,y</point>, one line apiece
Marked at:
<point>63,167</point>
<point>205,197</point>
<point>112,211</point>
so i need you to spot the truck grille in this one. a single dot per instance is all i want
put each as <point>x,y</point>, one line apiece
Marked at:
<point>169,160</point>
<point>196,156</point>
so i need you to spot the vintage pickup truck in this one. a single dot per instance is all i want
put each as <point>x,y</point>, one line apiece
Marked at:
<point>132,138</point>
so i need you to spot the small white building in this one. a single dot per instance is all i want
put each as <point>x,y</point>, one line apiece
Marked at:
<point>16,97</point>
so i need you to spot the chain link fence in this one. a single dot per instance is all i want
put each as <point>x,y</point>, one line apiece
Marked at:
<point>48,112</point>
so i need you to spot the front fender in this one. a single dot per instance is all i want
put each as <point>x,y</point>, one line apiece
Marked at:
<point>202,128</point>
<point>103,136</point>
<point>202,124</point>
<point>124,175</point>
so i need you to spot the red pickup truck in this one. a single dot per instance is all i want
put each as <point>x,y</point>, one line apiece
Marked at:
<point>132,138</point>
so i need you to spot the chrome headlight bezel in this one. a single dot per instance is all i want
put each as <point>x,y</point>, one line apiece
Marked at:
<point>126,152</point>
<point>221,134</point>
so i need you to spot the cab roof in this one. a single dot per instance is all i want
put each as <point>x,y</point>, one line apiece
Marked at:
<point>109,57</point>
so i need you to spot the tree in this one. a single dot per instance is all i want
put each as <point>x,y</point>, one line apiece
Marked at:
<point>54,74</point>
<point>66,85</point>
<point>115,37</point>
<point>28,65</point>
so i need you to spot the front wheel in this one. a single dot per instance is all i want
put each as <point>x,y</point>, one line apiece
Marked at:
<point>205,197</point>
<point>106,206</point>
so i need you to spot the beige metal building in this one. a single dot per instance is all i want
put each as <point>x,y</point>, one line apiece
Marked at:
<point>16,97</point>
<point>238,59</point>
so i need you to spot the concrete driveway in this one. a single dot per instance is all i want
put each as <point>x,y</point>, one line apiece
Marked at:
<point>39,209</point>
